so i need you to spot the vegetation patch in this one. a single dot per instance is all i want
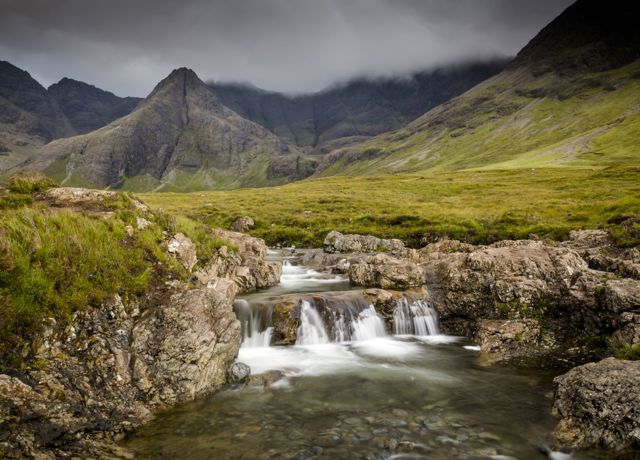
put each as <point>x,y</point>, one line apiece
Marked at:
<point>57,261</point>
<point>479,207</point>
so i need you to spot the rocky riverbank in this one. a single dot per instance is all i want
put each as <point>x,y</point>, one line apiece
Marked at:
<point>534,303</point>
<point>112,366</point>
<point>107,371</point>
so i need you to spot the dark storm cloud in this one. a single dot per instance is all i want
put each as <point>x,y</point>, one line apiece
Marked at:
<point>289,45</point>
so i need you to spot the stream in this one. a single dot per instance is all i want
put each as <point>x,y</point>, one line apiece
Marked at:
<point>352,389</point>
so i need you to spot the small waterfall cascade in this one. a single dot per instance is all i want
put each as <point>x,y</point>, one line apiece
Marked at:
<point>368,325</point>
<point>253,333</point>
<point>311,330</point>
<point>364,325</point>
<point>415,317</point>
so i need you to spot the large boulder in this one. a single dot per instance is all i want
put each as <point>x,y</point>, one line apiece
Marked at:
<point>386,272</point>
<point>599,405</point>
<point>336,242</point>
<point>506,280</point>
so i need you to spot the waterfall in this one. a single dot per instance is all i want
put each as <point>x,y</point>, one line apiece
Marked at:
<point>311,330</point>
<point>415,318</point>
<point>368,325</point>
<point>252,332</point>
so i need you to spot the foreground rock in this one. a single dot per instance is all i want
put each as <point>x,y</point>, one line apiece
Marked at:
<point>113,367</point>
<point>336,242</point>
<point>599,405</point>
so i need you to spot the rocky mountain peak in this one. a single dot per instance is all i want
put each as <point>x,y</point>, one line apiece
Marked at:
<point>587,36</point>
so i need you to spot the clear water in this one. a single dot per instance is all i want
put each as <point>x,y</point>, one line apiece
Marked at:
<point>378,397</point>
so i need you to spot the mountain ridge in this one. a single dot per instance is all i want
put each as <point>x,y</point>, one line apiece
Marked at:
<point>544,110</point>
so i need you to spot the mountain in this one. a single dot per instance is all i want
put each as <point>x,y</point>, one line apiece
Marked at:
<point>31,115</point>
<point>180,137</point>
<point>570,98</point>
<point>28,116</point>
<point>88,108</point>
<point>353,111</point>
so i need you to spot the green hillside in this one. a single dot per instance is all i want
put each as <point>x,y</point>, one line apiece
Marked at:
<point>515,120</point>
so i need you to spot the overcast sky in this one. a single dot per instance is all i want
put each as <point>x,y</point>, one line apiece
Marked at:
<point>127,46</point>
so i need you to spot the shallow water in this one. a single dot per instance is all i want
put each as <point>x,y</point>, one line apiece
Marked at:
<point>382,397</point>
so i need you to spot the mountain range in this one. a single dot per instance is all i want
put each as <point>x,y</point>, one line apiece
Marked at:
<point>571,97</point>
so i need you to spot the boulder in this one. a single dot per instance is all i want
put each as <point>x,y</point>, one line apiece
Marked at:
<point>242,224</point>
<point>598,405</point>
<point>386,272</point>
<point>336,242</point>
<point>184,249</point>
<point>506,280</point>
<point>238,373</point>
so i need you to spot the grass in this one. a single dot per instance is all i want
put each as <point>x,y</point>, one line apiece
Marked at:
<point>55,262</point>
<point>515,121</point>
<point>473,206</point>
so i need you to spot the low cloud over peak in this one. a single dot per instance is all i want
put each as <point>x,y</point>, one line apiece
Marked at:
<point>285,45</point>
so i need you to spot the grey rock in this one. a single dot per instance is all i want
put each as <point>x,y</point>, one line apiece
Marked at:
<point>238,373</point>
<point>336,242</point>
<point>502,340</point>
<point>247,266</point>
<point>184,249</point>
<point>598,405</point>
<point>242,224</point>
<point>386,272</point>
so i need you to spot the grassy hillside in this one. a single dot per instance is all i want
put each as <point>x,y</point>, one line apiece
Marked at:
<point>57,261</point>
<point>476,206</point>
<point>515,120</point>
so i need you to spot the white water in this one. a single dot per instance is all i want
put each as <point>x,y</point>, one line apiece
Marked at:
<point>311,330</point>
<point>415,318</point>
<point>368,325</point>
<point>295,276</point>
<point>252,333</point>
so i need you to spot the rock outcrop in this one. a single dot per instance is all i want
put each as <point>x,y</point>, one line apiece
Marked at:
<point>599,405</point>
<point>337,242</point>
<point>245,265</point>
<point>112,367</point>
<point>386,272</point>
<point>508,280</point>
